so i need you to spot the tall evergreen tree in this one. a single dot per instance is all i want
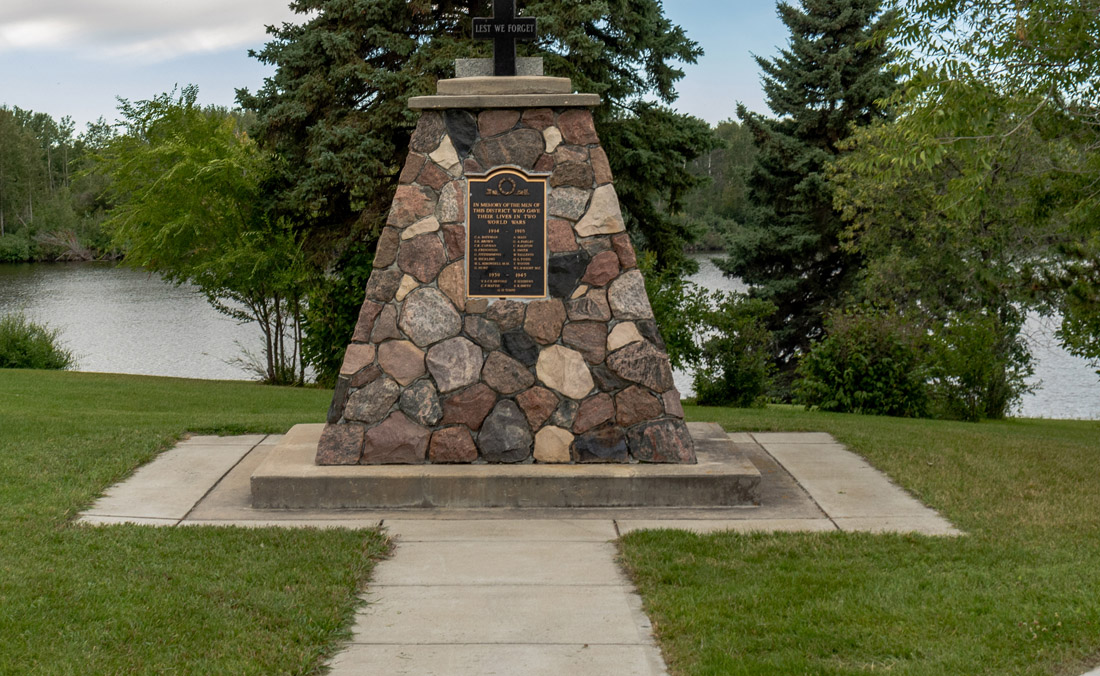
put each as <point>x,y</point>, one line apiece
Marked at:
<point>830,77</point>
<point>336,112</point>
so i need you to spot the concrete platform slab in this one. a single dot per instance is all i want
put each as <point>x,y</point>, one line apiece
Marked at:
<point>350,524</point>
<point>739,526</point>
<point>490,530</point>
<point>289,479</point>
<point>921,525</point>
<point>497,660</point>
<point>100,520</point>
<point>174,482</point>
<point>508,562</point>
<point>520,614</point>
<point>212,440</point>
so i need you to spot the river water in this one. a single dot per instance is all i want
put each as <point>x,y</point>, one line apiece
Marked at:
<point>119,320</point>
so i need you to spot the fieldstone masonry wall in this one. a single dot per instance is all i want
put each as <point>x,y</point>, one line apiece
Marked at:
<point>432,376</point>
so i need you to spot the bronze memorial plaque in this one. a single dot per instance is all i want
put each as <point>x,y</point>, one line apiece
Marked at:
<point>506,236</point>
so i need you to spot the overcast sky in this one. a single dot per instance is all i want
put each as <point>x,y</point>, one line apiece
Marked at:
<point>74,57</point>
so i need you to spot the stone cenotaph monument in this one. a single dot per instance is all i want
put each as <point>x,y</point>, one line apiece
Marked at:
<point>505,320</point>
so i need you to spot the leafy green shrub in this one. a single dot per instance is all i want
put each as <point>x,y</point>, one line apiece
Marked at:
<point>869,362</point>
<point>15,248</point>
<point>27,345</point>
<point>980,365</point>
<point>735,357</point>
<point>678,308</point>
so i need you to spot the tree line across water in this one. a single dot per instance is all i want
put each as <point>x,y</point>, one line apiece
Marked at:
<point>927,176</point>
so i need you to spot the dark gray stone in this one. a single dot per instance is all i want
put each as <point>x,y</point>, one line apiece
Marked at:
<point>606,443</point>
<point>483,332</point>
<point>420,402</point>
<point>565,272</point>
<point>520,346</point>
<point>505,435</point>
<point>605,380</point>
<point>383,284</point>
<point>566,414</point>
<point>508,314</point>
<point>429,130</point>
<point>521,147</point>
<point>371,403</point>
<point>339,399</point>
<point>462,128</point>
<point>649,331</point>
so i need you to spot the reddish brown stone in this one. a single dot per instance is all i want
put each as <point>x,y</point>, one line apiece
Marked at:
<point>588,338</point>
<point>559,236</point>
<point>567,154</point>
<point>454,239</point>
<point>383,284</point>
<point>410,204</point>
<point>472,166</point>
<point>635,404</point>
<point>521,147</point>
<point>538,118</point>
<point>644,364</point>
<point>673,405</point>
<point>413,164</point>
<point>625,250</point>
<point>422,257</point>
<point>386,253</point>
<point>340,445</point>
<point>365,376</point>
<point>603,268</point>
<point>600,167</point>
<point>662,441</point>
<point>452,282</point>
<point>577,127</point>
<point>452,203</point>
<point>385,327</point>
<point>402,360</point>
<point>433,176</point>
<point>367,314</point>
<point>356,356</point>
<point>506,375</point>
<point>544,320</point>
<point>493,122</point>
<point>545,163</point>
<point>396,440</point>
<point>591,306</point>
<point>452,444</point>
<point>594,411</point>
<point>469,407</point>
<point>508,314</point>
<point>429,131</point>
<point>576,174</point>
<point>538,404</point>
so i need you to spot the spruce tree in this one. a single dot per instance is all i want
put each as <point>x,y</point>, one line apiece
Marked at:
<point>336,113</point>
<point>831,76</point>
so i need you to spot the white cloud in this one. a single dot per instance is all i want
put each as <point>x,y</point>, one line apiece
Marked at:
<point>150,30</point>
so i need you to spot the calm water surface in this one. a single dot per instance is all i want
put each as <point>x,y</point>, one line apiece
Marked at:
<point>119,320</point>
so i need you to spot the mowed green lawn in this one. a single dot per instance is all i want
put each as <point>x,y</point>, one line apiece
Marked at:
<point>140,600</point>
<point>1020,594</point>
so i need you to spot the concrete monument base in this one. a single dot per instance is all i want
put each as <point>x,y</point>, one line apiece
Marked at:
<point>289,479</point>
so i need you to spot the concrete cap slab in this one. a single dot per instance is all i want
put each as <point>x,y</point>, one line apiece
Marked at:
<point>478,660</point>
<point>491,85</point>
<point>480,101</point>
<point>496,563</point>
<point>501,614</point>
<point>527,530</point>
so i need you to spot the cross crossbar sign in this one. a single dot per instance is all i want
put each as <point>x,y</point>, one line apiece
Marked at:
<point>504,29</point>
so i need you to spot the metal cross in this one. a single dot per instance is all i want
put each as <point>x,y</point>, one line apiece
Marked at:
<point>504,29</point>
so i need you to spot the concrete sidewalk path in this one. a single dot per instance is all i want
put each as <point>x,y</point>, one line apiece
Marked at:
<point>465,598</point>
<point>516,591</point>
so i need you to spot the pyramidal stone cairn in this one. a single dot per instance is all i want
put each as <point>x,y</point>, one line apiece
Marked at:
<point>505,320</point>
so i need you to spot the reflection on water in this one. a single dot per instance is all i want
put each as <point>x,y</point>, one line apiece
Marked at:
<point>119,320</point>
<point>1069,387</point>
